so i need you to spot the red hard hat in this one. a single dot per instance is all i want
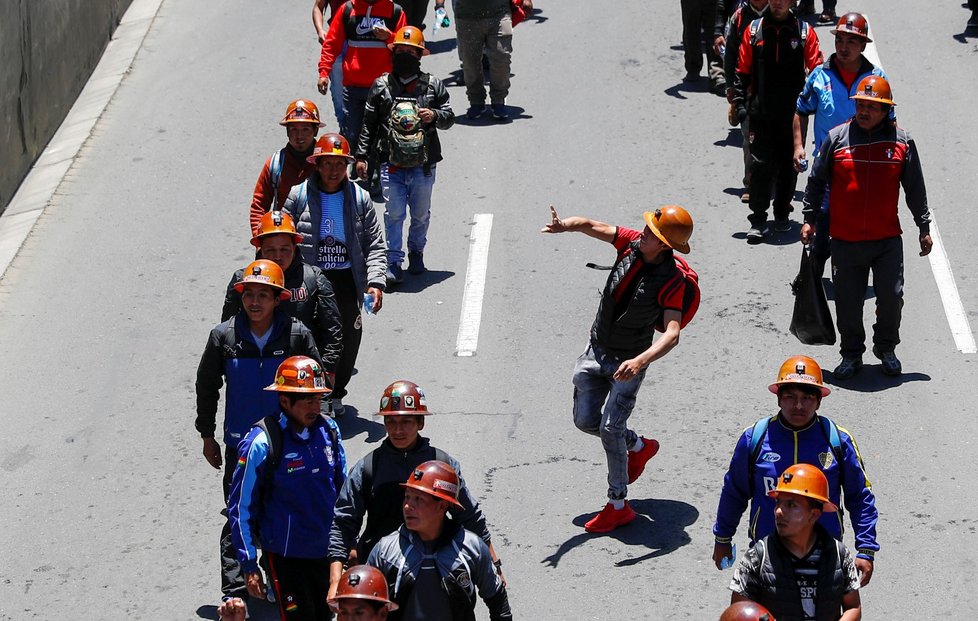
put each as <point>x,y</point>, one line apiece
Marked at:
<point>300,374</point>
<point>333,145</point>
<point>854,24</point>
<point>437,479</point>
<point>746,611</point>
<point>362,582</point>
<point>403,398</point>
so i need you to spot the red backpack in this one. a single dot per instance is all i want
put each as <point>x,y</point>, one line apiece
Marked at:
<point>691,295</point>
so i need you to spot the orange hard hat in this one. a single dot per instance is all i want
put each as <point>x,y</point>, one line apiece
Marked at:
<point>333,145</point>
<point>854,24</point>
<point>264,272</point>
<point>672,225</point>
<point>874,88</point>
<point>302,111</point>
<point>800,370</point>
<point>362,582</point>
<point>437,479</point>
<point>409,36</point>
<point>746,611</point>
<point>300,374</point>
<point>403,398</point>
<point>274,223</point>
<point>804,480</point>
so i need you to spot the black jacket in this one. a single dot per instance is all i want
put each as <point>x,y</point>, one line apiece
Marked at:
<point>429,93</point>
<point>312,303</point>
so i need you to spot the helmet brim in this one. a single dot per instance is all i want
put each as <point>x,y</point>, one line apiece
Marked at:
<point>827,505</point>
<point>256,240</point>
<point>425,490</point>
<point>334,602</point>
<point>312,158</point>
<point>284,294</point>
<point>849,32</point>
<point>295,389</point>
<point>776,385</point>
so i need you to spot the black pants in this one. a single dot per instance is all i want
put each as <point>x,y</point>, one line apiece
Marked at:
<point>349,307</point>
<point>851,265</point>
<point>772,148</point>
<point>414,11</point>
<point>232,582</point>
<point>300,585</point>
<point>698,24</point>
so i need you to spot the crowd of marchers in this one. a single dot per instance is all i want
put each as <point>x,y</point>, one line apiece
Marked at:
<point>399,535</point>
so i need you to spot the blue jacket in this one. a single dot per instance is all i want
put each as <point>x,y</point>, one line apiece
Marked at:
<point>232,355</point>
<point>783,447</point>
<point>825,95</point>
<point>290,511</point>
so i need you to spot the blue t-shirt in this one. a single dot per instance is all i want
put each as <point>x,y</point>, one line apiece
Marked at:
<point>333,253</point>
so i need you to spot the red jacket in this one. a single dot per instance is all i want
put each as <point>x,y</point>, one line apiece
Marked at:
<point>295,169</point>
<point>367,58</point>
<point>864,170</point>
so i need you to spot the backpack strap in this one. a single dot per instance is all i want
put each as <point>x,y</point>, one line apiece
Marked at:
<point>756,31</point>
<point>756,436</point>
<point>275,172</point>
<point>835,440</point>
<point>803,29</point>
<point>273,432</point>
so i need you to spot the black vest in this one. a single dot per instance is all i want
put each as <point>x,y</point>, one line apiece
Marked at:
<point>780,590</point>
<point>626,331</point>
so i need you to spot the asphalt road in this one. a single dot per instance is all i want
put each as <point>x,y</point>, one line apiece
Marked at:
<point>110,511</point>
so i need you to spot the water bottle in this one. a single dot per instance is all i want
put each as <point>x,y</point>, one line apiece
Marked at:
<point>803,164</point>
<point>441,19</point>
<point>723,50</point>
<point>368,303</point>
<point>728,561</point>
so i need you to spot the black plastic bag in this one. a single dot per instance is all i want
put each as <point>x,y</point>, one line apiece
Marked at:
<point>811,320</point>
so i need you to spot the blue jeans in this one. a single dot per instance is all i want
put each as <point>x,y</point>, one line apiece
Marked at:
<point>336,91</point>
<point>406,188</point>
<point>595,389</point>
<point>354,101</point>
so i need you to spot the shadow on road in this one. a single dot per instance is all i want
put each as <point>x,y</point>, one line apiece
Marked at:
<point>701,85</point>
<point>871,379</point>
<point>659,527</point>
<point>775,238</point>
<point>417,284</point>
<point>735,138</point>
<point>442,45</point>
<point>352,424</point>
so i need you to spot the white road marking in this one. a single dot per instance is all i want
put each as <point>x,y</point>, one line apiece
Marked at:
<point>475,285</point>
<point>957,318</point>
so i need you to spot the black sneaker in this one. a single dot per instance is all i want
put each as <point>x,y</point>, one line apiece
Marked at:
<point>395,274</point>
<point>416,263</point>
<point>499,112</point>
<point>891,364</point>
<point>782,225</point>
<point>847,368</point>
<point>475,111</point>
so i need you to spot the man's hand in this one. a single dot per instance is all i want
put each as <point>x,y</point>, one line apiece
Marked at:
<point>323,86</point>
<point>528,6</point>
<point>720,552</point>
<point>799,156</point>
<point>732,117</point>
<point>256,587</point>
<point>378,298</point>
<point>232,610</point>
<point>361,169</point>
<point>628,370</point>
<point>926,243</point>
<point>212,452</point>
<point>865,568</point>
<point>717,43</point>
<point>427,115</point>
<point>556,225</point>
<point>806,233</point>
<point>322,37</point>
<point>382,33</point>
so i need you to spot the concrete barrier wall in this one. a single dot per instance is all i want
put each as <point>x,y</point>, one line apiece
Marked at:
<point>48,48</point>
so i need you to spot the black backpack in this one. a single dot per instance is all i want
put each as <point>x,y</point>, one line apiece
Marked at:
<point>273,432</point>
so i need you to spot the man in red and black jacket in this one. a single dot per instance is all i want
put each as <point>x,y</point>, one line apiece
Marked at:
<point>776,53</point>
<point>365,27</point>
<point>864,162</point>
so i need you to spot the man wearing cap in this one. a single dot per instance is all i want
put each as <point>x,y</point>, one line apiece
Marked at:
<point>311,295</point>
<point>373,488</point>
<point>826,96</point>
<point>289,470</point>
<point>405,109</point>
<point>434,567</point>
<point>862,164</point>
<point>288,166</point>
<point>645,290</point>
<point>341,235</point>
<point>800,572</point>
<point>243,351</point>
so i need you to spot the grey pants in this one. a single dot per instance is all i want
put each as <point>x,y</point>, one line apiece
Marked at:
<point>602,406</point>
<point>494,35</point>
<point>851,264</point>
